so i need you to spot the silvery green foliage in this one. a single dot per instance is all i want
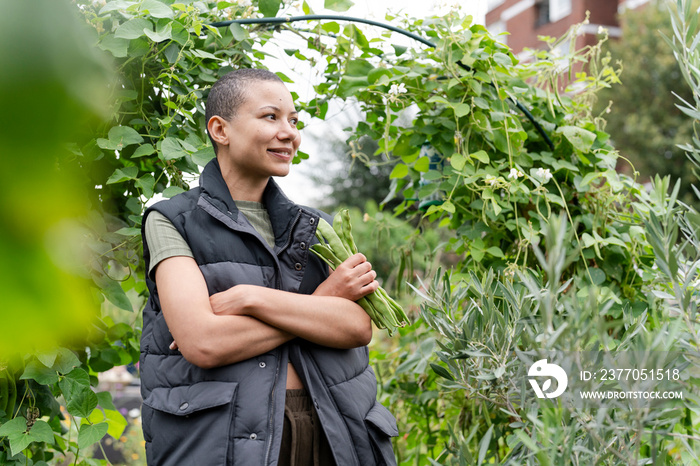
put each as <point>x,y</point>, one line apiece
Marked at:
<point>492,328</point>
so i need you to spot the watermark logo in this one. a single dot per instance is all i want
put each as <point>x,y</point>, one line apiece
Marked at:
<point>542,369</point>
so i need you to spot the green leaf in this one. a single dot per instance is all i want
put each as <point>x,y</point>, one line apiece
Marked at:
<point>448,206</point>
<point>157,9</point>
<point>495,251</point>
<point>203,54</point>
<point>104,399</point>
<point>306,8</point>
<point>123,174</point>
<point>16,432</point>
<point>484,444</point>
<point>338,5</point>
<point>123,136</point>
<point>105,144</point>
<point>597,276</point>
<point>146,184</point>
<point>74,382</point>
<point>133,29</point>
<point>349,85</point>
<point>527,441</point>
<point>39,372</point>
<point>502,59</point>
<point>399,171</point>
<point>580,138</point>
<point>116,423</point>
<point>203,156</point>
<point>146,149</point>
<point>399,49</point>
<point>588,178</point>
<point>118,331</point>
<point>374,75</point>
<point>496,206</point>
<point>82,403</point>
<point>359,68</point>
<point>462,110</point>
<point>15,426</point>
<point>588,240</point>
<point>238,32</point>
<point>180,35</point>
<point>41,432</point>
<point>48,359</point>
<point>161,34</point>
<point>481,156</point>
<point>171,191</point>
<point>115,294</point>
<point>422,164</point>
<point>171,149</point>
<point>441,371</point>
<point>116,46</point>
<point>269,8</point>
<point>90,434</point>
<point>116,5</point>
<point>66,361</point>
<point>458,161</point>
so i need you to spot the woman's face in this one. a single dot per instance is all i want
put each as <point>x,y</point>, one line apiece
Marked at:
<point>263,136</point>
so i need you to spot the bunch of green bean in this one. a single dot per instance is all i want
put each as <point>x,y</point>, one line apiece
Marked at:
<point>335,247</point>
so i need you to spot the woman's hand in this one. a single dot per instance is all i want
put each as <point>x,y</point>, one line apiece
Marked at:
<point>232,301</point>
<point>353,279</point>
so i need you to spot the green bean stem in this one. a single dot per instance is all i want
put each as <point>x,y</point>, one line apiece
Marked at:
<point>336,246</point>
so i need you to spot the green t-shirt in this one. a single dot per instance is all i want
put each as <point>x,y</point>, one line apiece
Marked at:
<point>165,241</point>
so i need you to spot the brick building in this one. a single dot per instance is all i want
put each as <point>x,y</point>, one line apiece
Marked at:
<point>527,19</point>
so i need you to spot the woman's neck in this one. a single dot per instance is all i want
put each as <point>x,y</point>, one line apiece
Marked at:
<point>243,188</point>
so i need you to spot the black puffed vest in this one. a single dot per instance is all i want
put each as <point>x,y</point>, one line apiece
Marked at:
<point>233,415</point>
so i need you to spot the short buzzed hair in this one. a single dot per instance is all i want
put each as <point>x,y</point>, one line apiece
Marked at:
<point>228,93</point>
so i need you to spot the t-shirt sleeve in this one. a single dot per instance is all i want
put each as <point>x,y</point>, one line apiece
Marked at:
<point>164,240</point>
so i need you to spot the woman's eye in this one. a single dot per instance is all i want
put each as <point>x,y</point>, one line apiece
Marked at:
<point>271,116</point>
<point>294,121</point>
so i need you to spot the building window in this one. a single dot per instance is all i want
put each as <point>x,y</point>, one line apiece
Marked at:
<point>559,9</point>
<point>541,12</point>
<point>551,11</point>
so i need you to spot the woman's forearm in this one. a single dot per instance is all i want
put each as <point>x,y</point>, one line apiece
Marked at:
<point>327,320</point>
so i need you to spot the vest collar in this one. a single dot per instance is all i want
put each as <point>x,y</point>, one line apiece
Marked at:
<point>281,209</point>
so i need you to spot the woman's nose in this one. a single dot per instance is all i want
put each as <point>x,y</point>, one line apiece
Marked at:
<point>288,131</point>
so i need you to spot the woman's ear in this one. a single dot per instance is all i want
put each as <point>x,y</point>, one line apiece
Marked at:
<point>216,126</point>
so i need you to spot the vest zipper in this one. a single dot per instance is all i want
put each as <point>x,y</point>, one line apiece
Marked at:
<point>278,282</point>
<point>278,285</point>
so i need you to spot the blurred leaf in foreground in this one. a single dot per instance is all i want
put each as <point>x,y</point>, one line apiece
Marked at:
<point>52,88</point>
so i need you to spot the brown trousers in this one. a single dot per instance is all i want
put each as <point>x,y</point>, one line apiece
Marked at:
<point>303,440</point>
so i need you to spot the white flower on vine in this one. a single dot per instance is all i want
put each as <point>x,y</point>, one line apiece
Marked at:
<point>244,3</point>
<point>543,174</point>
<point>490,180</point>
<point>395,89</point>
<point>515,174</point>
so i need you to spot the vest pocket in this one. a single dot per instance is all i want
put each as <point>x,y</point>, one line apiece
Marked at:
<point>191,424</point>
<point>381,426</point>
